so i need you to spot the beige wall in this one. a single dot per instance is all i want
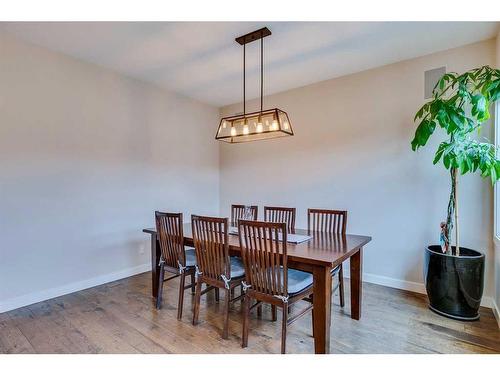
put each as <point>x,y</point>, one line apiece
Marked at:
<point>351,150</point>
<point>86,156</point>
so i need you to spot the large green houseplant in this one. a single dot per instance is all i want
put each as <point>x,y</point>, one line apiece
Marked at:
<point>460,105</point>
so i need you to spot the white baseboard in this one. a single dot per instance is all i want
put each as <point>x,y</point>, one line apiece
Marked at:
<point>496,312</point>
<point>394,283</point>
<point>408,285</point>
<point>31,298</point>
<point>28,299</point>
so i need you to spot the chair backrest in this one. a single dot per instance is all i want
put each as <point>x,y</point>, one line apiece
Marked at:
<point>329,221</point>
<point>210,237</point>
<point>281,215</point>
<point>264,256</point>
<point>238,212</point>
<point>171,238</point>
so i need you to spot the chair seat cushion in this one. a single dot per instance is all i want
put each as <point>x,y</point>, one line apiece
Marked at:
<point>190,257</point>
<point>237,268</point>
<point>298,280</point>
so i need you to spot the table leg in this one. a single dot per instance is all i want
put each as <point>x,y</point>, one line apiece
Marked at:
<point>322,299</point>
<point>356,262</point>
<point>155,268</point>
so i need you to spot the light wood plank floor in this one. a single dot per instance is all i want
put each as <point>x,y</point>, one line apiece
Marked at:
<point>119,317</point>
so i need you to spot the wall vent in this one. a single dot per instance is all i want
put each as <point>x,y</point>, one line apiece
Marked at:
<point>431,77</point>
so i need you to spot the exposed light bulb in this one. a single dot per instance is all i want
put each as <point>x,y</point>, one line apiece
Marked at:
<point>259,127</point>
<point>286,125</point>
<point>223,124</point>
<point>233,131</point>
<point>245,129</point>
<point>274,125</point>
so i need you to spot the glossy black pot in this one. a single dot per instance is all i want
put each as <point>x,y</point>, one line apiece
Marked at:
<point>454,284</point>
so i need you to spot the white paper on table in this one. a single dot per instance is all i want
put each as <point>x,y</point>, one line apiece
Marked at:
<point>292,238</point>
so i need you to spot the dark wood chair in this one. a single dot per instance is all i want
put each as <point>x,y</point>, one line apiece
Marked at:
<point>267,277</point>
<point>214,265</point>
<point>175,258</point>
<point>238,212</point>
<point>281,215</point>
<point>329,221</point>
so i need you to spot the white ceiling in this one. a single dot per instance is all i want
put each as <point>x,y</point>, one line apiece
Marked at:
<point>201,59</point>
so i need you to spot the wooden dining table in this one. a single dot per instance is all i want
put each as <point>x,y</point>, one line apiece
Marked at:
<point>319,255</point>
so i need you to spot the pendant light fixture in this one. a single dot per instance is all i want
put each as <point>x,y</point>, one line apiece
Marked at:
<point>253,126</point>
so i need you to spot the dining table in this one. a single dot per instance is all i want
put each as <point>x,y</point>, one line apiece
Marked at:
<point>319,255</point>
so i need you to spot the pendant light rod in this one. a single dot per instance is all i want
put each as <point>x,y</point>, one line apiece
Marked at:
<point>243,40</point>
<point>244,80</point>
<point>261,71</point>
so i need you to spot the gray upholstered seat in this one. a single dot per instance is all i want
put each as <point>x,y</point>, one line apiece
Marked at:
<point>190,257</point>
<point>298,280</point>
<point>237,268</point>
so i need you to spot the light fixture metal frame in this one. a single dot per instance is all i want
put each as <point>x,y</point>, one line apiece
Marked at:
<point>281,122</point>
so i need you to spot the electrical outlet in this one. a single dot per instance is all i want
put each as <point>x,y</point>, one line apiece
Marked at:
<point>141,249</point>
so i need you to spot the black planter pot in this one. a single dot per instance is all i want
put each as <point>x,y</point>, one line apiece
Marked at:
<point>454,284</point>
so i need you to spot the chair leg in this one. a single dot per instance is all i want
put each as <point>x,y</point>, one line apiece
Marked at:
<point>161,277</point>
<point>196,306</point>
<point>246,313</point>
<point>341,286</point>
<point>274,313</point>
<point>227,298</point>
<point>312,321</point>
<point>259,311</point>
<point>193,283</point>
<point>181,296</point>
<point>217,296</point>
<point>283,329</point>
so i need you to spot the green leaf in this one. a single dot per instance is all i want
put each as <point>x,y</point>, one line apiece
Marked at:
<point>481,108</point>
<point>422,134</point>
<point>447,161</point>
<point>460,105</point>
<point>464,167</point>
<point>497,168</point>
<point>442,118</point>
<point>494,90</point>
<point>475,165</point>
<point>439,153</point>
<point>456,122</point>
<point>469,162</point>
<point>493,175</point>
<point>420,113</point>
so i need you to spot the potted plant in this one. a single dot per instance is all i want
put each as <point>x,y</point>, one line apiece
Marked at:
<point>454,275</point>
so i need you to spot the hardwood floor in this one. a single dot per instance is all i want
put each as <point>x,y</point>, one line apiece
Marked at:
<point>119,317</point>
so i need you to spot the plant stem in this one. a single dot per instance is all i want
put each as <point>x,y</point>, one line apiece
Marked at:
<point>449,217</point>
<point>457,232</point>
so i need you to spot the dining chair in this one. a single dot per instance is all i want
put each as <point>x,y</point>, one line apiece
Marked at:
<point>329,221</point>
<point>214,265</point>
<point>281,215</point>
<point>175,258</point>
<point>239,211</point>
<point>267,276</point>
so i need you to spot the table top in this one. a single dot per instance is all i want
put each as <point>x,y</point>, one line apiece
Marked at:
<point>326,249</point>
